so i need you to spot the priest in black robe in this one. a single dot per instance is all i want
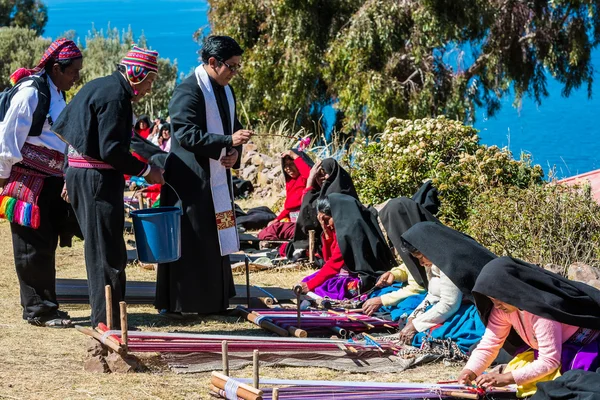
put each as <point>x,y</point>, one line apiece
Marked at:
<point>206,141</point>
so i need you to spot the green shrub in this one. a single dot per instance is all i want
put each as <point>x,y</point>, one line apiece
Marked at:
<point>542,224</point>
<point>448,152</point>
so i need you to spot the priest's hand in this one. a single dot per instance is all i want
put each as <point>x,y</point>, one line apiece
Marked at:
<point>372,305</point>
<point>494,379</point>
<point>155,176</point>
<point>64,194</point>
<point>230,158</point>
<point>241,137</point>
<point>408,333</point>
<point>466,377</point>
<point>385,280</point>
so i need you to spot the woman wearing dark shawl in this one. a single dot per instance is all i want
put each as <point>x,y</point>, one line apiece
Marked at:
<point>326,177</point>
<point>354,249</point>
<point>555,316</point>
<point>295,166</point>
<point>455,260</point>
<point>397,217</point>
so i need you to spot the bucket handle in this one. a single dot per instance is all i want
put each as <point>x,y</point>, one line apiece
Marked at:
<point>176,194</point>
<point>136,190</point>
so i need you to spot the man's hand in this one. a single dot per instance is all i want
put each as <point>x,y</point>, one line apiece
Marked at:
<point>311,182</point>
<point>408,333</point>
<point>290,154</point>
<point>241,137</point>
<point>372,305</point>
<point>385,280</point>
<point>155,176</point>
<point>230,158</point>
<point>64,194</point>
<point>466,377</point>
<point>494,379</point>
<point>3,182</point>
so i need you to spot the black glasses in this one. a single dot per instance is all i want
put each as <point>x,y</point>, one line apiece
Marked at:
<point>232,68</point>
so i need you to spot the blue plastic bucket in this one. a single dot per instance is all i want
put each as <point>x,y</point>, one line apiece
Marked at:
<point>157,234</point>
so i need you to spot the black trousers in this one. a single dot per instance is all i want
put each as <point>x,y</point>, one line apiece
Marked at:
<point>97,198</point>
<point>35,252</point>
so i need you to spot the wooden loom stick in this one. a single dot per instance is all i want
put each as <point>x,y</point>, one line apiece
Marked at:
<point>98,337</point>
<point>351,318</point>
<point>219,392</point>
<point>225,357</point>
<point>255,318</point>
<point>124,337</point>
<point>109,314</point>
<point>275,395</point>
<point>255,372</point>
<point>102,329</point>
<point>462,395</point>
<point>267,301</point>
<point>297,332</point>
<point>244,391</point>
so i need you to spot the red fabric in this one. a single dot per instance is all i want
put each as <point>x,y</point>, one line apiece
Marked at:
<point>152,192</point>
<point>294,189</point>
<point>144,133</point>
<point>278,231</point>
<point>334,262</point>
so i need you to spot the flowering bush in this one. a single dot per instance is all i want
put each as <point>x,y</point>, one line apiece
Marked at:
<point>408,152</point>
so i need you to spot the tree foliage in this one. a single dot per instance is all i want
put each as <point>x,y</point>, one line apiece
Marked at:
<point>377,59</point>
<point>447,152</point>
<point>19,47</point>
<point>104,50</point>
<point>32,14</point>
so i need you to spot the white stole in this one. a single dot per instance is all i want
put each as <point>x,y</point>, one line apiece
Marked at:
<point>220,185</point>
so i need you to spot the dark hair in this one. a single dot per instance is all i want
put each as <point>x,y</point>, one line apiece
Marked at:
<point>166,126</point>
<point>220,47</point>
<point>63,64</point>
<point>408,247</point>
<point>323,206</point>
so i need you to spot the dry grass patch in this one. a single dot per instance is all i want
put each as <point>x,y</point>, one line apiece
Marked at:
<point>42,363</point>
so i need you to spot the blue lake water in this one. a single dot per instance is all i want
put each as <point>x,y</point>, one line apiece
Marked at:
<point>562,132</point>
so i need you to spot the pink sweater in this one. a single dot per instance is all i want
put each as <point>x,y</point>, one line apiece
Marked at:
<point>540,334</point>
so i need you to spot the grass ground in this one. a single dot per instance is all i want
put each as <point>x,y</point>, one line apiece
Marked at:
<point>43,363</point>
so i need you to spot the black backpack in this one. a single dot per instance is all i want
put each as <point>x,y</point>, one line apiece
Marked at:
<point>43,107</point>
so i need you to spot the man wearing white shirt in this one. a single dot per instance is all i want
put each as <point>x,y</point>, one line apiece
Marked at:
<point>31,177</point>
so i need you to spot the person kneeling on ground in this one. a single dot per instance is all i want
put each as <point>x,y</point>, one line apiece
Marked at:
<point>354,249</point>
<point>296,167</point>
<point>556,317</point>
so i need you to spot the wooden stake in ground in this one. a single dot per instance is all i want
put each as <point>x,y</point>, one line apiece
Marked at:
<point>247,261</point>
<point>124,327</point>
<point>311,246</point>
<point>255,371</point>
<point>109,314</point>
<point>275,394</point>
<point>298,292</point>
<point>225,357</point>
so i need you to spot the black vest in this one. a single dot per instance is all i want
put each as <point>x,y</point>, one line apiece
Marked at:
<point>40,83</point>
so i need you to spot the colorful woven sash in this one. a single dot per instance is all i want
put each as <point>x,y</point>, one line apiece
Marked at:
<point>19,197</point>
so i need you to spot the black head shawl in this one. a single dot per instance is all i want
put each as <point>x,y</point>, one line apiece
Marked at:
<point>427,197</point>
<point>339,181</point>
<point>361,241</point>
<point>302,155</point>
<point>397,217</point>
<point>538,291</point>
<point>142,118</point>
<point>459,256</point>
